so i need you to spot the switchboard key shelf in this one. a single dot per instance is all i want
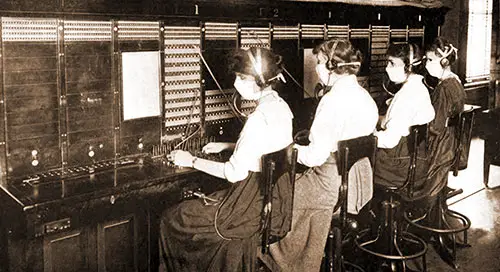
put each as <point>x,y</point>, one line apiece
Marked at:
<point>77,171</point>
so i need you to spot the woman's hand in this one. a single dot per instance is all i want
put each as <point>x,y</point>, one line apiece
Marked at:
<point>216,147</point>
<point>302,137</point>
<point>181,158</point>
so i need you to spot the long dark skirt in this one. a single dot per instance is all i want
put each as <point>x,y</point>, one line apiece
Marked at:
<point>196,236</point>
<point>442,148</point>
<point>392,164</point>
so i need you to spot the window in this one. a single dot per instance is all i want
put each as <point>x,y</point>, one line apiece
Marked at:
<point>479,40</point>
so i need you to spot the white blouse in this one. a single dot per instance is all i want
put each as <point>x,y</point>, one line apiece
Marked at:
<point>267,129</point>
<point>347,111</point>
<point>410,106</point>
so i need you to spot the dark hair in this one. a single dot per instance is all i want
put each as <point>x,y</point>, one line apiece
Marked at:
<point>344,52</point>
<point>445,46</point>
<point>408,52</point>
<point>272,64</point>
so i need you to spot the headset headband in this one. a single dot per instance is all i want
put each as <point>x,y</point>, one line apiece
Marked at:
<point>413,61</point>
<point>257,64</point>
<point>334,47</point>
<point>410,49</point>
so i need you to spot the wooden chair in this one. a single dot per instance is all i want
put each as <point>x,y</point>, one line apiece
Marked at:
<point>349,152</point>
<point>275,167</point>
<point>436,220</point>
<point>391,242</point>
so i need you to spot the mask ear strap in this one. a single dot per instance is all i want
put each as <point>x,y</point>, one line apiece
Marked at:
<point>353,63</point>
<point>411,57</point>
<point>443,54</point>
<point>415,62</point>
<point>450,49</point>
<point>453,48</point>
<point>257,64</point>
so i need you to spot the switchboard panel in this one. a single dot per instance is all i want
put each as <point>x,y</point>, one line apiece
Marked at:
<point>88,93</point>
<point>67,84</point>
<point>31,96</point>
<point>137,136</point>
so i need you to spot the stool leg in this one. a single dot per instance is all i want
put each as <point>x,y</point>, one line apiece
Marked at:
<point>396,246</point>
<point>486,168</point>
<point>444,252</point>
<point>465,222</point>
<point>446,212</point>
<point>338,250</point>
<point>391,240</point>
<point>390,225</point>
<point>329,253</point>
<point>445,247</point>
<point>440,224</point>
<point>453,241</point>
<point>424,263</point>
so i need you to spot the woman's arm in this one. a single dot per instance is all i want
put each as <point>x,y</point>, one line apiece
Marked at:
<point>185,159</point>
<point>323,135</point>
<point>246,153</point>
<point>409,107</point>
<point>396,122</point>
<point>248,150</point>
<point>440,104</point>
<point>217,147</point>
<point>210,167</point>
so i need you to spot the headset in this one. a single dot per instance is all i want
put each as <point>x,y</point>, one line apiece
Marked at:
<point>331,64</point>
<point>391,87</point>
<point>257,66</point>
<point>449,49</point>
<point>260,81</point>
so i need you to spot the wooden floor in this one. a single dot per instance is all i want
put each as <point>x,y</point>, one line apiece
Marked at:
<point>482,206</point>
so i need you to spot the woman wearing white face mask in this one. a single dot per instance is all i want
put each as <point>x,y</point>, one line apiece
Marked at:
<point>411,105</point>
<point>219,233</point>
<point>346,111</point>
<point>448,99</point>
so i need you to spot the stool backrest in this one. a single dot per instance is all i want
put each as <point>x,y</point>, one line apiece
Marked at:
<point>418,135</point>
<point>463,123</point>
<point>348,153</point>
<point>275,167</point>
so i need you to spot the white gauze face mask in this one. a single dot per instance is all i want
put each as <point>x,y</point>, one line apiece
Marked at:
<point>434,68</point>
<point>247,88</point>
<point>396,74</point>
<point>433,65</point>
<point>323,73</point>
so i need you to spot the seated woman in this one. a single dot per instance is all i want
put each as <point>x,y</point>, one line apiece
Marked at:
<point>448,99</point>
<point>346,111</point>
<point>220,233</point>
<point>411,105</point>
